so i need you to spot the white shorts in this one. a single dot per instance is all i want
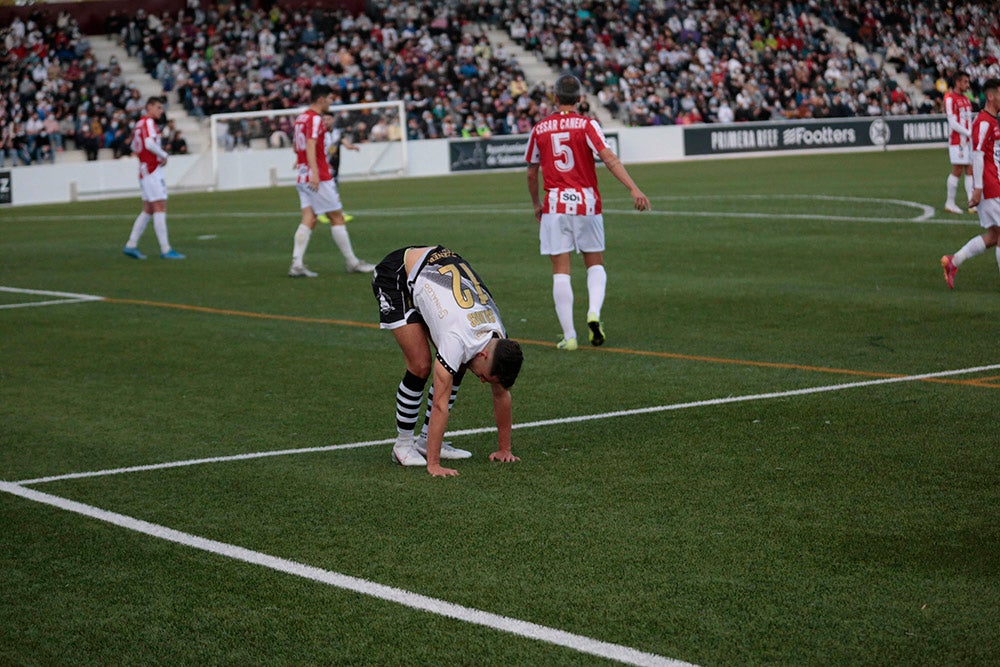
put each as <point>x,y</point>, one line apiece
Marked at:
<point>322,200</point>
<point>960,153</point>
<point>989,212</point>
<point>153,186</point>
<point>560,233</point>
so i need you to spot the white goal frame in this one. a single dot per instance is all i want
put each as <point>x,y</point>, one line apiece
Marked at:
<point>376,154</point>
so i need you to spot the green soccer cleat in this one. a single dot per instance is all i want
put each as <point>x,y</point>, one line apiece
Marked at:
<point>596,332</point>
<point>568,344</point>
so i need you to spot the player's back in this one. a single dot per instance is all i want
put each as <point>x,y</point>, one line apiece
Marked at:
<point>564,145</point>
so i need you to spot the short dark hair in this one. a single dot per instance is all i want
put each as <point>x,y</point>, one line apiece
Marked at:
<point>154,100</point>
<point>507,360</point>
<point>958,75</point>
<point>319,90</point>
<point>568,89</point>
<point>991,84</point>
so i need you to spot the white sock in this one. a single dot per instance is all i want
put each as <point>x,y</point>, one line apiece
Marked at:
<point>160,226</point>
<point>302,235</point>
<point>138,227</point>
<point>968,188</point>
<point>597,284</point>
<point>975,246</point>
<point>343,241</point>
<point>998,256</point>
<point>952,189</point>
<point>562,294</point>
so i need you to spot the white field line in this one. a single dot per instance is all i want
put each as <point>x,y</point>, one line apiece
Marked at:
<point>409,599</point>
<point>534,424</point>
<point>67,297</point>
<point>924,216</point>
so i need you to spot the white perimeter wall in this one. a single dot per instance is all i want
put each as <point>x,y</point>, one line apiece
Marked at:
<point>256,168</point>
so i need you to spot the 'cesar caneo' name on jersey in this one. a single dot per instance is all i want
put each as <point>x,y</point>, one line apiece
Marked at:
<point>456,306</point>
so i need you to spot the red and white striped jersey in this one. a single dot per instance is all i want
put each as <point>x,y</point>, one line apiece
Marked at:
<point>309,125</point>
<point>986,140</point>
<point>149,160</point>
<point>564,145</point>
<point>958,108</point>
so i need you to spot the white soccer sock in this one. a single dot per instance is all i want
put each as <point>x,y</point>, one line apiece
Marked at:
<point>302,235</point>
<point>160,226</point>
<point>975,246</point>
<point>343,241</point>
<point>952,189</point>
<point>597,284</point>
<point>138,227</point>
<point>562,294</point>
<point>968,188</point>
<point>998,256</point>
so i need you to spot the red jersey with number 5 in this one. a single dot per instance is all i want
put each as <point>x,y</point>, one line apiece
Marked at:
<point>986,140</point>
<point>564,145</point>
<point>309,125</point>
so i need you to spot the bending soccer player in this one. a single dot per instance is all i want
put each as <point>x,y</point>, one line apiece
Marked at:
<point>431,295</point>
<point>986,184</point>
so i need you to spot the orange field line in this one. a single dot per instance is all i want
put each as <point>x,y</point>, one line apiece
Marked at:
<point>244,313</point>
<point>981,382</point>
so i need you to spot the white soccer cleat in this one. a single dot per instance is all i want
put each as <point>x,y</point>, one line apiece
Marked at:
<point>360,267</point>
<point>300,271</point>
<point>405,453</point>
<point>447,451</point>
<point>951,208</point>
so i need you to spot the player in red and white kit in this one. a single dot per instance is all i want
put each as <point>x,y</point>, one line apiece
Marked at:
<point>317,189</point>
<point>986,182</point>
<point>958,109</point>
<point>563,147</point>
<point>152,158</point>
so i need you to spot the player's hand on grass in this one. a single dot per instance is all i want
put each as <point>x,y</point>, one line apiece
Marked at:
<point>441,471</point>
<point>504,457</point>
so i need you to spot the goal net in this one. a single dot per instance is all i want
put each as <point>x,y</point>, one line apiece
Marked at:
<point>377,129</point>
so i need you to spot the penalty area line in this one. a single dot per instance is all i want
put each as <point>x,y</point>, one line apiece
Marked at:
<point>579,643</point>
<point>535,424</point>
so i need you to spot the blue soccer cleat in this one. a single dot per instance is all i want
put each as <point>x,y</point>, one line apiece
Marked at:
<point>172,254</point>
<point>133,253</point>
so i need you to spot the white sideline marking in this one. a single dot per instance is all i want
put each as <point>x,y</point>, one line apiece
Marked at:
<point>67,297</point>
<point>513,626</point>
<point>534,424</point>
<point>926,211</point>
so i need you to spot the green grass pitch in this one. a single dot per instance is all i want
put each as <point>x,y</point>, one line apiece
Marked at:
<point>700,489</point>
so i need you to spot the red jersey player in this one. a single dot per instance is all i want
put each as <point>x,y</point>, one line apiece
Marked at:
<point>958,109</point>
<point>986,177</point>
<point>318,193</point>
<point>152,158</point>
<point>563,147</point>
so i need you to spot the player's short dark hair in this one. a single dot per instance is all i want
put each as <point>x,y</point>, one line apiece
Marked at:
<point>507,360</point>
<point>958,75</point>
<point>319,90</point>
<point>568,89</point>
<point>991,84</point>
<point>155,100</point>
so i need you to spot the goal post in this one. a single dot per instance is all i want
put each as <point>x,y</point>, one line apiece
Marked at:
<point>378,129</point>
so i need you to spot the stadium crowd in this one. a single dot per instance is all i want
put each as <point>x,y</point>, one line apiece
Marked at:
<point>668,62</point>
<point>928,41</point>
<point>54,95</point>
